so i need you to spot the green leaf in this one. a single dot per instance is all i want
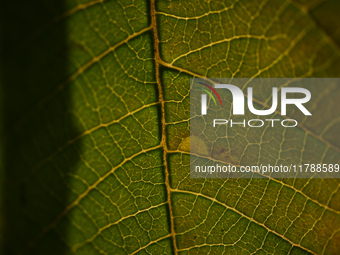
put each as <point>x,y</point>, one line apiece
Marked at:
<point>96,127</point>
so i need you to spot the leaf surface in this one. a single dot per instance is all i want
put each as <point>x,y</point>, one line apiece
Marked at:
<point>99,158</point>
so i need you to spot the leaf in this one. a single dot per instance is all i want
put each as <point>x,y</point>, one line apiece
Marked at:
<point>96,127</point>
